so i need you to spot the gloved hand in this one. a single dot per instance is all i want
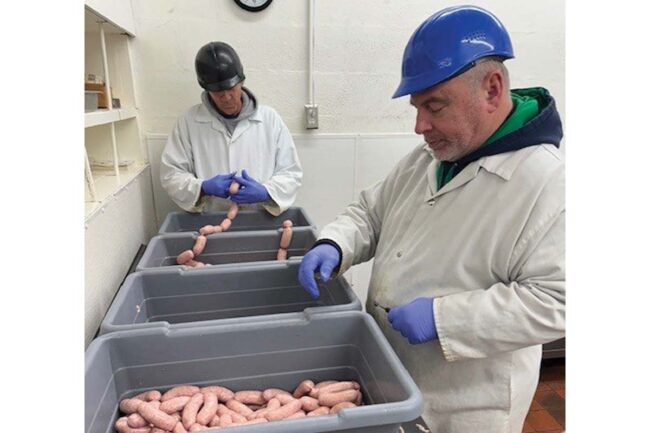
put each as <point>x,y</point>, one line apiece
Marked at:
<point>414,320</point>
<point>322,257</point>
<point>250,190</point>
<point>218,185</point>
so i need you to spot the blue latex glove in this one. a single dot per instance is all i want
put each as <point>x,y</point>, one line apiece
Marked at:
<point>415,320</point>
<point>218,185</point>
<point>250,190</point>
<point>323,258</point>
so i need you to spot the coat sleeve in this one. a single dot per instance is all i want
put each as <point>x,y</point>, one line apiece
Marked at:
<point>177,170</point>
<point>287,173</point>
<point>528,310</point>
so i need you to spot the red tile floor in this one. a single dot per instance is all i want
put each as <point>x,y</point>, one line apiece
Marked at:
<point>546,414</point>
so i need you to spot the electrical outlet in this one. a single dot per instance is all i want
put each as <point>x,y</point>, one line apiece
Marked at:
<point>311,113</point>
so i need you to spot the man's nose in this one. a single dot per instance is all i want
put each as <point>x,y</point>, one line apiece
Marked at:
<point>422,122</point>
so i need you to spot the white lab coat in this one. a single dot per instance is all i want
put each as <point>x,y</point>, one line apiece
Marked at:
<point>199,147</point>
<point>489,247</point>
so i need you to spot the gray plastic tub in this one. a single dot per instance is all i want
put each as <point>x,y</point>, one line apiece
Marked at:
<point>225,248</point>
<point>246,220</point>
<point>176,298</point>
<point>259,354</point>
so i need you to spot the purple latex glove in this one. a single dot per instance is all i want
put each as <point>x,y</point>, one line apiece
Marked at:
<point>415,320</point>
<point>323,258</point>
<point>218,185</point>
<point>250,190</point>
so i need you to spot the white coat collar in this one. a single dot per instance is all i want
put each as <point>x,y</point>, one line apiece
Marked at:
<point>203,115</point>
<point>502,165</point>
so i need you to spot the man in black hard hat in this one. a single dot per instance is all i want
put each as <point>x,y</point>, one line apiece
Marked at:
<point>227,133</point>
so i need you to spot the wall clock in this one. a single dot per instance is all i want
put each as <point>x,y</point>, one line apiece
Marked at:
<point>253,5</point>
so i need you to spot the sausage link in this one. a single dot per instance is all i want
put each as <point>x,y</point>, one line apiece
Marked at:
<point>223,393</point>
<point>206,230</point>
<point>148,395</point>
<point>214,422</point>
<point>285,411</point>
<point>323,410</point>
<point>197,427</point>
<point>343,405</point>
<point>158,430</point>
<point>122,426</point>
<point>282,254</point>
<point>225,420</point>
<point>299,414</point>
<point>269,393</point>
<point>250,397</point>
<point>332,398</point>
<point>179,428</point>
<point>287,223</point>
<point>234,187</point>
<point>209,409</point>
<point>179,391</point>
<point>309,403</point>
<point>314,392</point>
<point>135,420</point>
<point>238,407</point>
<point>157,417</point>
<point>232,211</point>
<point>256,421</point>
<point>175,404</point>
<point>285,240</point>
<point>340,386</point>
<point>199,245</point>
<point>303,388</point>
<point>285,398</point>
<point>191,409</point>
<point>184,257</point>
<point>130,405</point>
<point>225,224</point>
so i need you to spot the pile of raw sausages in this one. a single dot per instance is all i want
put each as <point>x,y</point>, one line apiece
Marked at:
<point>187,257</point>
<point>190,408</point>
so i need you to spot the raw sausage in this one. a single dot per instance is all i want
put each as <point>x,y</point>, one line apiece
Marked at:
<point>323,410</point>
<point>191,409</point>
<point>148,395</point>
<point>157,417</point>
<point>285,240</point>
<point>209,409</point>
<point>284,411</point>
<point>282,254</point>
<point>287,223</point>
<point>234,187</point>
<point>232,211</point>
<point>238,407</point>
<point>225,224</point>
<point>343,405</point>
<point>184,257</point>
<point>303,388</point>
<point>269,393</point>
<point>135,420</point>
<point>122,426</point>
<point>333,398</point>
<point>223,394</point>
<point>175,404</point>
<point>309,403</point>
<point>250,397</point>
<point>199,245</point>
<point>178,391</point>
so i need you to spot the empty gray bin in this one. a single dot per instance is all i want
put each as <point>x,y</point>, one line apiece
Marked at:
<point>258,354</point>
<point>246,220</point>
<point>225,248</point>
<point>175,297</point>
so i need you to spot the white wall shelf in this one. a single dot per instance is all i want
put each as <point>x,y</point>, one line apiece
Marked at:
<point>105,116</point>
<point>112,136</point>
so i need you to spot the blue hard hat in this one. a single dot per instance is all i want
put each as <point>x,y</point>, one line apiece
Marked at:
<point>447,44</point>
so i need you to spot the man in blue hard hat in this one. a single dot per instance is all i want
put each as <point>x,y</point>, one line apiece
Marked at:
<point>466,231</point>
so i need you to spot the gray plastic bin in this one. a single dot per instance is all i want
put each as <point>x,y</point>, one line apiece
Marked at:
<point>176,298</point>
<point>258,354</point>
<point>225,248</point>
<point>246,220</point>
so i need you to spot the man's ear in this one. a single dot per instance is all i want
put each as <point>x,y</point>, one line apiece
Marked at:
<point>494,87</point>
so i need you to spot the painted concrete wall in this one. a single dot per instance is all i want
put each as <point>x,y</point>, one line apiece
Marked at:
<point>112,239</point>
<point>359,46</point>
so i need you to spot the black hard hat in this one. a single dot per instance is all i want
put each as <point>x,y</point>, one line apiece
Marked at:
<point>218,67</point>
